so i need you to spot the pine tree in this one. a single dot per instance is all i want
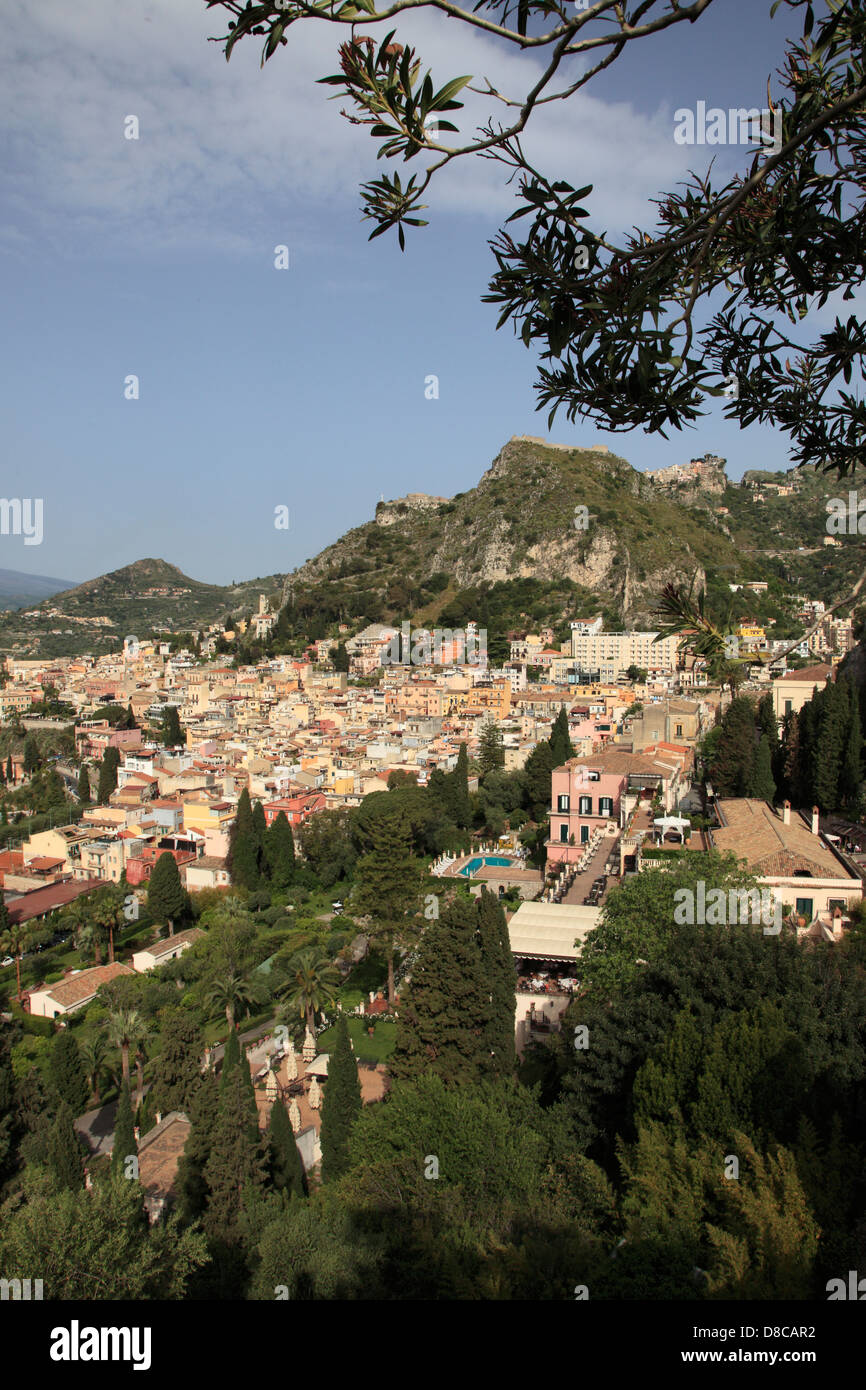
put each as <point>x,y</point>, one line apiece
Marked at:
<point>107,775</point>
<point>280,853</point>
<point>124,1133</point>
<point>84,785</point>
<point>497,963</point>
<point>243,857</point>
<point>341,1105</point>
<point>388,885</point>
<point>63,1150</point>
<point>166,898</point>
<point>560,740</point>
<point>444,1020</point>
<point>284,1160</point>
<point>761,784</point>
<point>491,753</point>
<point>67,1072</point>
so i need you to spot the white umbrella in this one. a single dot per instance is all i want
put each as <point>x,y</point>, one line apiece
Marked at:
<point>292,1066</point>
<point>295,1116</point>
<point>271,1087</point>
<point>309,1051</point>
<point>314,1096</point>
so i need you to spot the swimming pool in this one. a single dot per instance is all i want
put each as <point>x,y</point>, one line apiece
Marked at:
<point>475,864</point>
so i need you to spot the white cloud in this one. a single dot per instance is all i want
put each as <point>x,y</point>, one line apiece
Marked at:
<point>227,151</point>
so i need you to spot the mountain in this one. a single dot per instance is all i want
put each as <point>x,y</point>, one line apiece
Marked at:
<point>138,598</point>
<point>19,590</point>
<point>519,540</point>
<point>549,533</point>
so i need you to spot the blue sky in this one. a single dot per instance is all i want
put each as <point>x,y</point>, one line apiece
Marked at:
<point>305,387</point>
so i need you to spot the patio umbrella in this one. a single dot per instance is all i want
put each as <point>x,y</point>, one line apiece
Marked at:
<point>309,1051</point>
<point>295,1116</point>
<point>314,1096</point>
<point>292,1066</point>
<point>271,1089</point>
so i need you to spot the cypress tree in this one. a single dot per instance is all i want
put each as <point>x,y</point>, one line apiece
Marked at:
<point>84,785</point>
<point>236,1157</point>
<point>443,1022</point>
<point>561,745</point>
<point>260,828</point>
<point>63,1151</point>
<point>280,853</point>
<point>761,784</point>
<point>10,771</point>
<point>202,1114</point>
<point>851,775</point>
<point>172,734</point>
<point>341,1105</point>
<point>67,1072</point>
<point>735,750</point>
<point>460,801</point>
<point>500,975</point>
<point>538,769</point>
<point>124,1133</point>
<point>767,721</point>
<point>166,898</point>
<point>107,775</point>
<point>231,1057</point>
<point>830,744</point>
<point>31,754</point>
<point>176,1068</point>
<point>243,858</point>
<point>284,1160</point>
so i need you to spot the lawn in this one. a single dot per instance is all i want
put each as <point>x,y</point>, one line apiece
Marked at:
<point>367,1049</point>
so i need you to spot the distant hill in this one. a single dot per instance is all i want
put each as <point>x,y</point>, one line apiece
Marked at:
<point>96,616</point>
<point>19,590</point>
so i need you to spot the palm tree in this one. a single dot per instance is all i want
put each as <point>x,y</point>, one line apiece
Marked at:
<point>89,940</point>
<point>311,983</point>
<point>93,1050</point>
<point>13,942</point>
<point>235,995</point>
<point>140,1058</point>
<point>125,1028</point>
<point>105,910</point>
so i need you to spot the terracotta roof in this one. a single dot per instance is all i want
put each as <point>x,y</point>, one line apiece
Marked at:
<point>84,985</point>
<point>756,833</point>
<point>46,899</point>
<point>808,673</point>
<point>160,948</point>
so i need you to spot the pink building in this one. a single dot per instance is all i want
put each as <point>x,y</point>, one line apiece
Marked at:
<point>583,798</point>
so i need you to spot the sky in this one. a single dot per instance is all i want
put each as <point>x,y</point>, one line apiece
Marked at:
<point>302,388</point>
